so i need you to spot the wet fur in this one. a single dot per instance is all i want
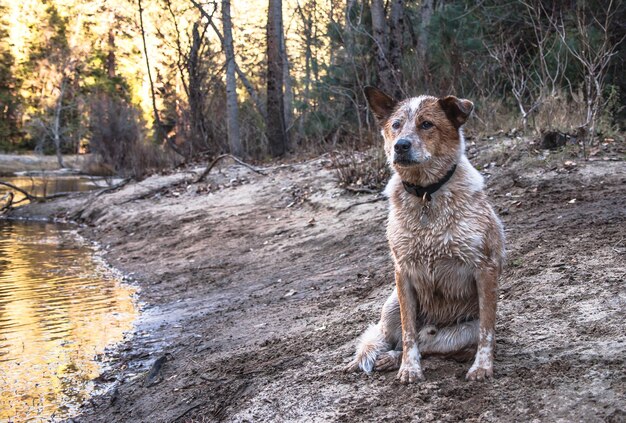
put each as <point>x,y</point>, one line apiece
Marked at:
<point>447,252</point>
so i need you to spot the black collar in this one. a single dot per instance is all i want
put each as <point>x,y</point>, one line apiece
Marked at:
<point>427,191</point>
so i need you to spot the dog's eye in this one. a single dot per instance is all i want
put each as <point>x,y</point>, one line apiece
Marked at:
<point>426,125</point>
<point>396,124</point>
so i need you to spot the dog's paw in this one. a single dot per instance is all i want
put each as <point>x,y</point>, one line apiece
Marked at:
<point>410,374</point>
<point>479,373</point>
<point>389,360</point>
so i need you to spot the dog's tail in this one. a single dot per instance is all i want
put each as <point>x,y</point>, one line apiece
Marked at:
<point>369,345</point>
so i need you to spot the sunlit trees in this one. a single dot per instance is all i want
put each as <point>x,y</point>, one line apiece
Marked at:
<point>260,79</point>
<point>9,94</point>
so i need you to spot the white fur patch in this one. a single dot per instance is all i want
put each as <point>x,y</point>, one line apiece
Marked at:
<point>393,182</point>
<point>484,356</point>
<point>474,180</point>
<point>414,355</point>
<point>369,345</point>
<point>415,103</point>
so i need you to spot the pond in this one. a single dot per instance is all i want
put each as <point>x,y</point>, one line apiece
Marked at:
<point>60,309</point>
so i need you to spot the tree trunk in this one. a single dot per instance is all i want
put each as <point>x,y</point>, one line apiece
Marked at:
<point>275,124</point>
<point>288,92</point>
<point>232,111</point>
<point>196,96</point>
<point>56,124</point>
<point>379,29</point>
<point>308,57</point>
<point>111,54</point>
<point>426,14</point>
<point>396,35</point>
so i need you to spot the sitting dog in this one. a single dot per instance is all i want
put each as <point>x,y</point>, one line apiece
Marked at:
<point>446,241</point>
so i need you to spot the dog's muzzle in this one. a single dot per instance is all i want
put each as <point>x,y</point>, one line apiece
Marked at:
<point>404,154</point>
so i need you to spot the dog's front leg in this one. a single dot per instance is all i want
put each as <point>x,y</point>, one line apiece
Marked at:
<point>487,285</point>
<point>410,369</point>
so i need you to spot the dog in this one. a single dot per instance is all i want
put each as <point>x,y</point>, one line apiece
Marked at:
<point>446,241</point>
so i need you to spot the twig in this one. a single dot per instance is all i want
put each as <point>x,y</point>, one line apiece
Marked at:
<point>371,200</point>
<point>362,190</point>
<point>223,156</point>
<point>8,197</point>
<point>183,414</point>
<point>113,188</point>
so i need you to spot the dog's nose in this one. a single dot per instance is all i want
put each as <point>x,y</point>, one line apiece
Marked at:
<point>402,145</point>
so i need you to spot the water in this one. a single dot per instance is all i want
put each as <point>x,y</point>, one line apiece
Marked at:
<point>59,309</point>
<point>47,184</point>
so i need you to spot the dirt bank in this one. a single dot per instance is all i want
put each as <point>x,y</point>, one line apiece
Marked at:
<point>255,288</point>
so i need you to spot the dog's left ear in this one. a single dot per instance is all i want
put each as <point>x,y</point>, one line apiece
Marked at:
<point>456,109</point>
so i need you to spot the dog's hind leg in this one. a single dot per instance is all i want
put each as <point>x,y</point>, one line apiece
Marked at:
<point>458,341</point>
<point>376,346</point>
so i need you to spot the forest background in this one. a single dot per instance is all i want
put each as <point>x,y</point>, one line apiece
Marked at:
<point>146,84</point>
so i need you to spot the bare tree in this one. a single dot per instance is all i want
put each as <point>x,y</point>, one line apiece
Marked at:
<point>56,122</point>
<point>242,76</point>
<point>52,124</point>
<point>526,92</point>
<point>533,81</point>
<point>275,123</point>
<point>232,109</point>
<point>594,54</point>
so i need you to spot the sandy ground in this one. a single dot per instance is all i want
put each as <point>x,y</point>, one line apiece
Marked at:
<point>255,288</point>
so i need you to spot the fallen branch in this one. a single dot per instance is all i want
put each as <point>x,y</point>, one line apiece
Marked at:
<point>113,188</point>
<point>36,198</point>
<point>223,156</point>
<point>20,190</point>
<point>371,200</point>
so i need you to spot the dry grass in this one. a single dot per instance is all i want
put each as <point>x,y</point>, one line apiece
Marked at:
<point>361,171</point>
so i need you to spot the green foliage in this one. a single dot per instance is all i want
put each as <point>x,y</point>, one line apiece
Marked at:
<point>455,46</point>
<point>9,98</point>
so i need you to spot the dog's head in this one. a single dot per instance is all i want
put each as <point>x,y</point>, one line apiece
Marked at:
<point>419,130</point>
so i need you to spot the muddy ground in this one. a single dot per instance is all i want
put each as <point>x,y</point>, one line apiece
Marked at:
<point>255,287</point>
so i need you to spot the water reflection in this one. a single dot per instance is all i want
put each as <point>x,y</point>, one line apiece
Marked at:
<point>47,184</point>
<point>59,308</point>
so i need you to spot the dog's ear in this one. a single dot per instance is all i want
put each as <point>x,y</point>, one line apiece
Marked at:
<point>381,104</point>
<point>456,109</point>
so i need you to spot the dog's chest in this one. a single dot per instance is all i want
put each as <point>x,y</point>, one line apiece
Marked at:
<point>438,251</point>
<point>425,236</point>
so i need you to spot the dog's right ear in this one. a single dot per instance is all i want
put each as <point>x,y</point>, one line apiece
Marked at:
<point>381,104</point>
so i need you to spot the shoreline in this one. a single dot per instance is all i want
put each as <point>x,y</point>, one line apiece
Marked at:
<point>255,288</point>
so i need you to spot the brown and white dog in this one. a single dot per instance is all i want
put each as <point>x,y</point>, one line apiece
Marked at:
<point>446,241</point>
